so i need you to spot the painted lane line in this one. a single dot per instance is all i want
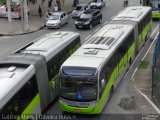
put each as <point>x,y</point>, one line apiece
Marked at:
<point>152,41</point>
<point>131,3</point>
<point>154,31</point>
<point>134,72</point>
<point>88,37</point>
<point>97,29</point>
<point>107,5</point>
<point>150,46</point>
<point>112,17</point>
<point>105,22</point>
<point>148,100</point>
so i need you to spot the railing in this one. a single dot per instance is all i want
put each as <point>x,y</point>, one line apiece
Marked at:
<point>156,73</point>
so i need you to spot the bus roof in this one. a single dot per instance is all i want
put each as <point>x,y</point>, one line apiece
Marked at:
<point>15,71</point>
<point>132,13</point>
<point>50,42</point>
<point>99,47</point>
<point>11,76</point>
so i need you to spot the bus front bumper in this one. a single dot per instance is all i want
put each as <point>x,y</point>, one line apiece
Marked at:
<point>78,110</point>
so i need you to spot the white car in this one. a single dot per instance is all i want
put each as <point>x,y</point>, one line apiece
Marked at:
<point>4,12</point>
<point>97,4</point>
<point>57,19</point>
<point>81,8</point>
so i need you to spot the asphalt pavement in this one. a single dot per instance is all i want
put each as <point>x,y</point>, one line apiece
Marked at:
<point>35,22</point>
<point>138,102</point>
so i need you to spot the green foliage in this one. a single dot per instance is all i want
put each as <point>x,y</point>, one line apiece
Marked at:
<point>2,1</point>
<point>144,64</point>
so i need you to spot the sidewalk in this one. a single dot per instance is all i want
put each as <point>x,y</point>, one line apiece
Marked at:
<point>35,22</point>
<point>142,81</point>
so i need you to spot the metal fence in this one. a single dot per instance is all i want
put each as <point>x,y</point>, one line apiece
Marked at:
<point>156,73</point>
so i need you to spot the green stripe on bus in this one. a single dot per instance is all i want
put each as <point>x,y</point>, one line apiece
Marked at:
<point>156,15</point>
<point>98,108</point>
<point>112,79</point>
<point>142,35</point>
<point>30,108</point>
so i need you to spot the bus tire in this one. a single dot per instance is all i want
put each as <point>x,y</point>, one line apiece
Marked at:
<point>130,62</point>
<point>111,92</point>
<point>147,37</point>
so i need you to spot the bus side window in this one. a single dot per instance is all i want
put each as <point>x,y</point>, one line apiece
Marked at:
<point>140,27</point>
<point>22,98</point>
<point>107,72</point>
<point>102,81</point>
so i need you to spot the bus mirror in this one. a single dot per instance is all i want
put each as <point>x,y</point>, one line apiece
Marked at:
<point>53,84</point>
<point>103,83</point>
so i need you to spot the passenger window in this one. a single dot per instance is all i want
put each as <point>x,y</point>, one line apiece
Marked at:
<point>22,98</point>
<point>61,16</point>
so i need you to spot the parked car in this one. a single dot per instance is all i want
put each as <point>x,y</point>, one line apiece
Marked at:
<point>97,4</point>
<point>57,19</point>
<point>81,8</point>
<point>89,18</point>
<point>15,11</point>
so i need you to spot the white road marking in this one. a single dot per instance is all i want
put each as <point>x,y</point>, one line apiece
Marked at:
<point>154,30</point>
<point>105,22</point>
<point>150,46</point>
<point>112,17</point>
<point>97,29</point>
<point>5,37</point>
<point>88,37</point>
<point>108,4</point>
<point>134,72</point>
<point>152,41</point>
<point>153,105</point>
<point>131,3</point>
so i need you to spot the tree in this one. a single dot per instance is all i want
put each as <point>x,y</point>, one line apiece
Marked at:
<point>74,3</point>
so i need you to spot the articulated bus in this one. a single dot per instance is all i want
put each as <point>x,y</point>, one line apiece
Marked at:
<point>141,18</point>
<point>155,4</point>
<point>89,77</point>
<point>29,77</point>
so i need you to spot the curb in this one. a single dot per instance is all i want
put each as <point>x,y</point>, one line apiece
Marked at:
<point>13,34</point>
<point>23,33</point>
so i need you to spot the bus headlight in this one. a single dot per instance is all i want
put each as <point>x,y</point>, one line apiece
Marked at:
<point>61,101</point>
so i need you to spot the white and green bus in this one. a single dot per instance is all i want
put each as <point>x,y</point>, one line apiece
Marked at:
<point>141,18</point>
<point>28,77</point>
<point>155,4</point>
<point>90,75</point>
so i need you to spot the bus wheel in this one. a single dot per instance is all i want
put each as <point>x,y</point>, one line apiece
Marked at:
<point>111,93</point>
<point>130,62</point>
<point>147,37</point>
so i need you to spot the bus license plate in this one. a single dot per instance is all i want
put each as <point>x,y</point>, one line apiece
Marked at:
<point>77,110</point>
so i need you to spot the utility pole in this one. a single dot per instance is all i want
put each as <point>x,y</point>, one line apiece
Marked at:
<point>9,15</point>
<point>25,6</point>
<point>22,14</point>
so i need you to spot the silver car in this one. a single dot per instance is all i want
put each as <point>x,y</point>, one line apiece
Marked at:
<point>81,8</point>
<point>57,19</point>
<point>97,4</point>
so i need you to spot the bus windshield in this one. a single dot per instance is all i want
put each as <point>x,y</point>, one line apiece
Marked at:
<point>97,1</point>
<point>155,4</point>
<point>79,71</point>
<point>78,89</point>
